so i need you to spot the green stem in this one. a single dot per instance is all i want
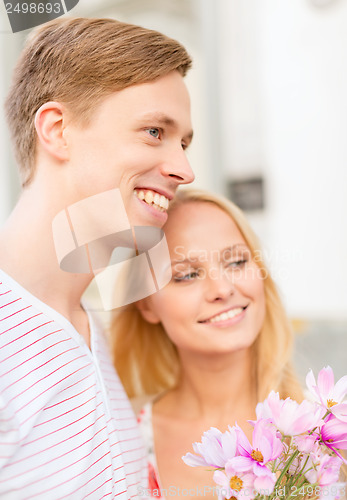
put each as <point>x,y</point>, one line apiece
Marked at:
<point>303,468</point>
<point>287,465</point>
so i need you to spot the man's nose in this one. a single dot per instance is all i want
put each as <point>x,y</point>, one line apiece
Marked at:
<point>178,167</point>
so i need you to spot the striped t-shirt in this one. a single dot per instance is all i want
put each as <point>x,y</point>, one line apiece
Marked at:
<point>66,426</point>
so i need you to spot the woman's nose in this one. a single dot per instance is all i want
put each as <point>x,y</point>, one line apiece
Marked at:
<point>219,284</point>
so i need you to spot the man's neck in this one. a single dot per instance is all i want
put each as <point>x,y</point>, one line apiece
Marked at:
<point>27,254</point>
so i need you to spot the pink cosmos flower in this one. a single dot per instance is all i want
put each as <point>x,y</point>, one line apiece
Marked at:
<point>234,484</point>
<point>324,470</point>
<point>330,395</point>
<point>334,434</point>
<point>265,447</point>
<point>306,442</point>
<point>215,449</point>
<point>290,417</point>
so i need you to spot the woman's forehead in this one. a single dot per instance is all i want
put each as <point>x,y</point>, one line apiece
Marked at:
<point>203,226</point>
<point>185,255</point>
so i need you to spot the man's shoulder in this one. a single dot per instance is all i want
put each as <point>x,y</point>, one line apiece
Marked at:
<point>10,300</point>
<point>35,342</point>
<point>16,304</point>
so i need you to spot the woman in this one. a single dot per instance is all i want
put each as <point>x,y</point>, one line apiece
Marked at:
<point>211,344</point>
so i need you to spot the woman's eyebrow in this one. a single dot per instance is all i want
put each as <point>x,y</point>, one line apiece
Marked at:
<point>234,247</point>
<point>184,261</point>
<point>194,257</point>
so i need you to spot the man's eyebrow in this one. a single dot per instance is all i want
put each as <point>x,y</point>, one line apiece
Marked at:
<point>163,119</point>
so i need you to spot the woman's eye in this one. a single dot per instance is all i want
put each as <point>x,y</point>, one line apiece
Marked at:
<point>237,263</point>
<point>154,132</point>
<point>186,277</point>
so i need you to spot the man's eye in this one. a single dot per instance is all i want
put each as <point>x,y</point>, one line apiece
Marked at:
<point>154,132</point>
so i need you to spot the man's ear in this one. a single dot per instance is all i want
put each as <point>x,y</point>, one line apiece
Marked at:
<point>49,124</point>
<point>147,312</point>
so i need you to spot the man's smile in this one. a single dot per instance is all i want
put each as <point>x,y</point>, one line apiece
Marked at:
<point>153,198</point>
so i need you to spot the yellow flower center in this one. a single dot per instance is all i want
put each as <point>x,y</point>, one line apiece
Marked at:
<point>236,483</point>
<point>331,403</point>
<point>257,455</point>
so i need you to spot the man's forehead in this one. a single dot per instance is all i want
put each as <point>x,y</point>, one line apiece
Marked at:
<point>163,102</point>
<point>168,92</point>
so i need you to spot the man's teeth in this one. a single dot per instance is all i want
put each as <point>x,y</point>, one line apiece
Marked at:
<point>154,199</point>
<point>226,315</point>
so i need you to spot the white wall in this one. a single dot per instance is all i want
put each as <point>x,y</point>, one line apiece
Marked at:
<point>288,114</point>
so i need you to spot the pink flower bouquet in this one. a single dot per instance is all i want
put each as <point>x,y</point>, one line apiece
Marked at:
<point>295,450</point>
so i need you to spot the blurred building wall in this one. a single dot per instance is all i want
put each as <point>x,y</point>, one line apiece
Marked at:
<point>5,195</point>
<point>284,81</point>
<point>10,46</point>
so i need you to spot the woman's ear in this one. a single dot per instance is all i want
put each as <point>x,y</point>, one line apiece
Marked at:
<point>146,310</point>
<point>49,124</point>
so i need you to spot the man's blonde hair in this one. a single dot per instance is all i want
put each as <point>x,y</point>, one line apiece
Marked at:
<point>78,62</point>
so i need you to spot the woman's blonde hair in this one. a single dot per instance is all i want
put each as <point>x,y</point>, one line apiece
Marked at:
<point>148,362</point>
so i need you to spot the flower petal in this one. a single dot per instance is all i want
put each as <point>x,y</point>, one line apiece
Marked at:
<point>193,460</point>
<point>229,443</point>
<point>265,484</point>
<point>243,445</point>
<point>261,470</point>
<point>220,478</point>
<point>340,411</point>
<point>325,382</point>
<point>340,389</point>
<point>240,464</point>
<point>312,385</point>
<point>334,433</point>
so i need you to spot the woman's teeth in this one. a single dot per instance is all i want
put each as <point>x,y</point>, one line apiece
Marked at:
<point>154,199</point>
<point>226,315</point>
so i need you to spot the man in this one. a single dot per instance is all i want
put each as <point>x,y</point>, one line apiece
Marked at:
<point>96,105</point>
